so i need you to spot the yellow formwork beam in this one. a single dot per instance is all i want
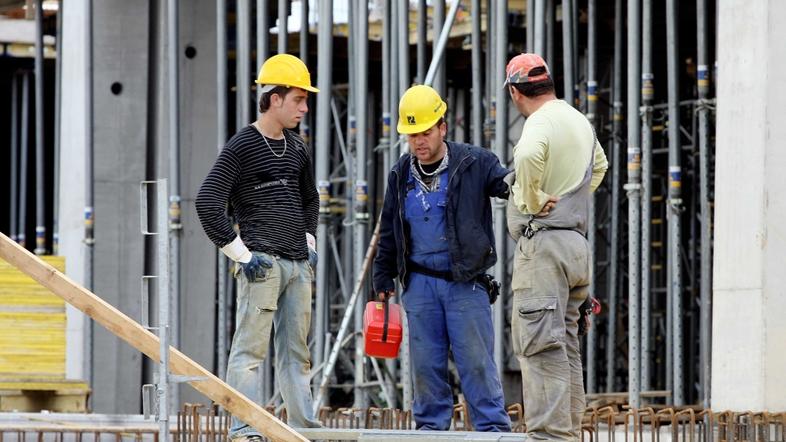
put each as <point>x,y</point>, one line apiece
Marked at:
<point>143,340</point>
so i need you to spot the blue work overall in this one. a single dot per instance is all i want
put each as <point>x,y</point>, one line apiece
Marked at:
<point>447,316</point>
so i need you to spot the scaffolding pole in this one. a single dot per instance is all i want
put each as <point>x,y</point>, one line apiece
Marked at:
<point>304,30</point>
<point>175,226</point>
<point>58,113</point>
<point>592,104</point>
<point>567,51</point>
<point>24,149</point>
<point>440,83</point>
<point>705,285</point>
<point>221,136</point>
<point>324,136</point>
<point>675,200</point>
<point>243,63</point>
<point>283,32</point>
<point>530,43</point>
<point>647,94</point>
<point>423,37</point>
<point>395,91</point>
<point>550,25</point>
<point>40,226</point>
<point>14,175</point>
<point>540,28</point>
<point>616,154</point>
<point>89,215</point>
<point>263,38</point>
<point>477,69</point>
<point>360,90</point>
<point>501,150</point>
<point>633,188</point>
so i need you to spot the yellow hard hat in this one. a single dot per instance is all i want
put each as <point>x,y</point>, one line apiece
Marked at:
<point>285,70</point>
<point>420,108</point>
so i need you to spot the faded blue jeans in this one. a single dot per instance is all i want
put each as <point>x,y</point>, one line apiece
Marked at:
<point>282,300</point>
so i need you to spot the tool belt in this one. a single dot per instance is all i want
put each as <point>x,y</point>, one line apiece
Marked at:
<point>486,281</point>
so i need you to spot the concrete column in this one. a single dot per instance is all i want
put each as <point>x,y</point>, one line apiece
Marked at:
<point>748,361</point>
<point>72,174</point>
<point>120,135</point>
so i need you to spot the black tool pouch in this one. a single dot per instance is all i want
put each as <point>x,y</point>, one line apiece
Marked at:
<point>491,285</point>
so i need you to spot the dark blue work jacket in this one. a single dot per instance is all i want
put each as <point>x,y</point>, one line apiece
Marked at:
<point>474,175</point>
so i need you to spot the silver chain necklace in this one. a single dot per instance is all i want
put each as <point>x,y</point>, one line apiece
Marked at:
<point>268,144</point>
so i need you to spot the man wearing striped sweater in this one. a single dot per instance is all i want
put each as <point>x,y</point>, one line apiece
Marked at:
<point>264,175</point>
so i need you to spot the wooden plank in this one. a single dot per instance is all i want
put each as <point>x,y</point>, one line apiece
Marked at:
<point>145,341</point>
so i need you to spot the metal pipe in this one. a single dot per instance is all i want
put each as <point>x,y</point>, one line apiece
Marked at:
<point>540,27</point>
<point>551,23</point>
<point>403,46</point>
<point>633,189</point>
<point>324,136</point>
<point>40,226</point>
<point>283,33</point>
<point>488,128</point>
<point>175,226</point>
<point>616,148</point>
<point>221,136</point>
<point>574,20</point>
<point>403,56</point>
<point>501,150</point>
<point>530,43</point>
<point>24,155</point>
<point>384,141</point>
<point>304,31</point>
<point>423,37</point>
<point>705,284</point>
<point>434,69</point>
<point>263,39</point>
<point>395,87</point>
<point>58,113</point>
<point>567,51</point>
<point>440,82</point>
<point>14,157</point>
<point>647,94</point>
<point>675,197</point>
<point>166,391</point>
<point>477,98</point>
<point>243,63</point>
<point>89,217</point>
<point>592,104</point>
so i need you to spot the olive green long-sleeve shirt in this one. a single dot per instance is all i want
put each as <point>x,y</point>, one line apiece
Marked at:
<point>552,156</point>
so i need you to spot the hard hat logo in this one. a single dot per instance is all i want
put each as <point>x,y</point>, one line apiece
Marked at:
<point>285,70</point>
<point>420,108</point>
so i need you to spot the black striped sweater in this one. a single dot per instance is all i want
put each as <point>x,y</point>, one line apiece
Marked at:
<point>274,200</point>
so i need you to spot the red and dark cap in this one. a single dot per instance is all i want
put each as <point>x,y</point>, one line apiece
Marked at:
<point>520,66</point>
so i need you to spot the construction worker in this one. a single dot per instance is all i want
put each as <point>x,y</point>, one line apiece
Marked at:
<point>264,175</point>
<point>436,237</point>
<point>558,163</point>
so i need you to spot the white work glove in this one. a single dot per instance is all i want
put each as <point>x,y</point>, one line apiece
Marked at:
<point>254,266</point>
<point>312,250</point>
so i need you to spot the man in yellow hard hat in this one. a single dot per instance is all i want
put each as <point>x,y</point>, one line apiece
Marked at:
<point>264,174</point>
<point>436,236</point>
<point>558,163</point>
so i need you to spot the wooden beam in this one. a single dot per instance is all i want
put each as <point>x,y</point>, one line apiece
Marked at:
<point>143,340</point>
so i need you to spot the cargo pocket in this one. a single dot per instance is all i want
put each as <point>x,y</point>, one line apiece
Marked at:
<point>535,320</point>
<point>522,264</point>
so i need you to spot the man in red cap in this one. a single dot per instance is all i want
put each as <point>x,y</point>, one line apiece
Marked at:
<point>558,162</point>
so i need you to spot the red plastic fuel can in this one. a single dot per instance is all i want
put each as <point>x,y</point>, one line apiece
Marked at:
<point>374,329</point>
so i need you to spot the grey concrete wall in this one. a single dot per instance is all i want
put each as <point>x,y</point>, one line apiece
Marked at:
<point>121,47</point>
<point>748,361</point>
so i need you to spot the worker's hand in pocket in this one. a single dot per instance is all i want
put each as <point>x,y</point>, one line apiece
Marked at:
<point>384,296</point>
<point>550,204</point>
<point>256,268</point>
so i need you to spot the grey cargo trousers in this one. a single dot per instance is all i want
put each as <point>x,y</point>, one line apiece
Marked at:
<point>551,276</point>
